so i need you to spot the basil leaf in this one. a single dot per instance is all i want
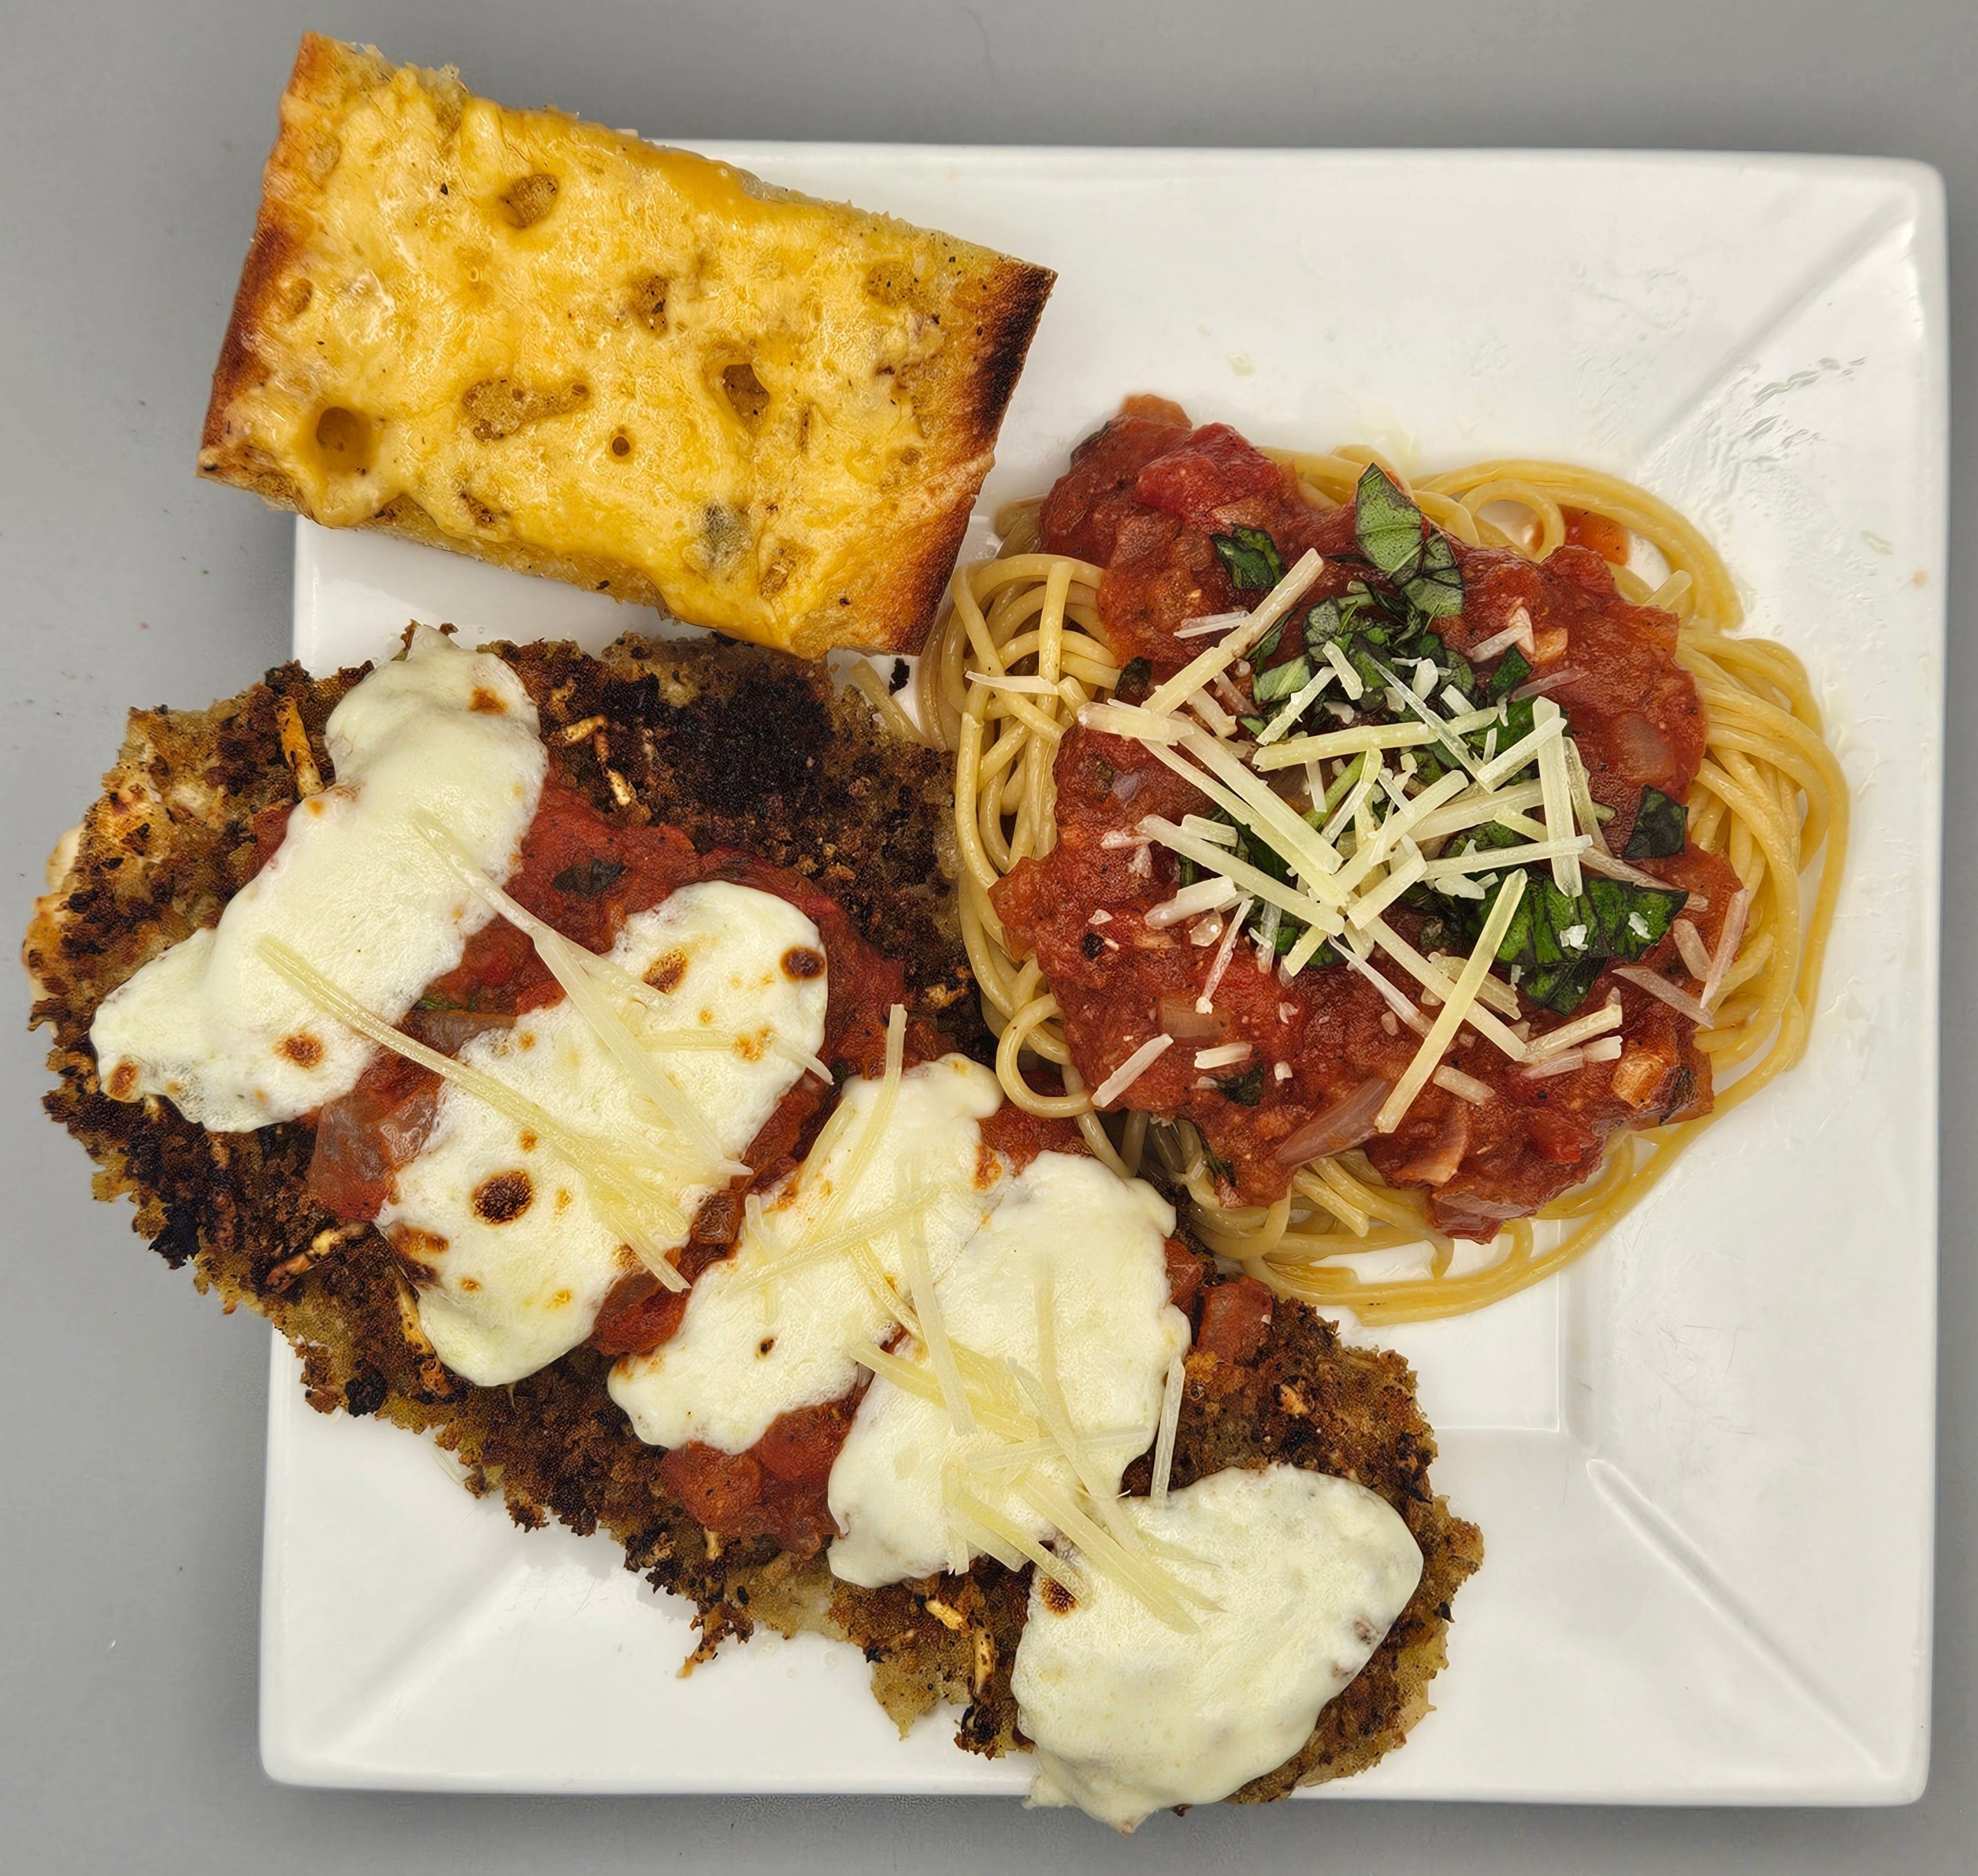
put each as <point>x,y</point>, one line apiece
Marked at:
<point>431,1001</point>
<point>1661,828</point>
<point>1281,680</point>
<point>1387,524</point>
<point>1252,558</point>
<point>1322,624</point>
<point>1512,671</point>
<point>1558,942</point>
<point>1254,725</point>
<point>1245,1090</point>
<point>1267,644</point>
<point>1436,589</point>
<point>588,878</point>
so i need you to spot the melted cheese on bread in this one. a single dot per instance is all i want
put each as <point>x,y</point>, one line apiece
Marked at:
<point>1304,1574</point>
<point>559,348</point>
<point>519,1261</point>
<point>354,888</point>
<point>1090,1246</point>
<point>771,1329</point>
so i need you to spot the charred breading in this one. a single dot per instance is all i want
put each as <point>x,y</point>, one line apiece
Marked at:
<point>1305,1398</point>
<point>736,747</point>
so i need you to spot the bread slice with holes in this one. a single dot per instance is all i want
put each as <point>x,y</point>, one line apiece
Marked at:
<point>559,348</point>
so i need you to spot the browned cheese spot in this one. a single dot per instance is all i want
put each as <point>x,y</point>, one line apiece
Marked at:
<point>667,971</point>
<point>504,1198</point>
<point>418,1251</point>
<point>122,1081</point>
<point>765,1345</point>
<point>988,1166</point>
<point>304,1050</point>
<point>621,445</point>
<point>484,702</point>
<point>528,1139</point>
<point>801,963</point>
<point>529,198</point>
<point>1057,1598</point>
<point>470,1283</point>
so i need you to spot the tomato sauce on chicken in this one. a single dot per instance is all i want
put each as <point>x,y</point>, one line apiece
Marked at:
<point>586,876</point>
<point>1142,500</point>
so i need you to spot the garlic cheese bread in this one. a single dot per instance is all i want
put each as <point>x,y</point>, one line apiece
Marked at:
<point>559,348</point>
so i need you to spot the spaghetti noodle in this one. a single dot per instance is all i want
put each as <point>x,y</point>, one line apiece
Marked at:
<point>1023,649</point>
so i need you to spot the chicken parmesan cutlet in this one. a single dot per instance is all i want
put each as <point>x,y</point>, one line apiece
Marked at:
<point>574,1058</point>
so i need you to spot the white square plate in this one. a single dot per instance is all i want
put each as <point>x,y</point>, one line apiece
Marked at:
<point>1702,1459</point>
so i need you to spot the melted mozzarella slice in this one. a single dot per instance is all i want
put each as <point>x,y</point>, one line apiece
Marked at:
<point>521,1261</point>
<point>1088,1244</point>
<point>1308,1573</point>
<point>353,888</point>
<point>771,1327</point>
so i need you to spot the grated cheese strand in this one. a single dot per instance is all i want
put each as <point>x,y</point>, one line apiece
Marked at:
<point>1219,964</point>
<point>1658,986</point>
<point>1525,750</point>
<point>1491,1028</point>
<point>934,1334</point>
<point>1252,879</point>
<point>1300,703</point>
<point>1728,941</point>
<point>1323,747</point>
<point>615,1184</point>
<point>1460,1005</point>
<point>586,978</point>
<point>1581,1029</point>
<point>1164,1441</point>
<point>1130,1070</point>
<point>1273,818</point>
<point>1465,1087</point>
<point>1129,720</point>
<point>1200,671</point>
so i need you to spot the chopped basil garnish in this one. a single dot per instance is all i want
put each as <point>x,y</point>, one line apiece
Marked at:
<point>1661,828</point>
<point>1559,942</point>
<point>588,878</point>
<point>1438,589</point>
<point>1281,680</point>
<point>1245,1090</point>
<point>1388,525</point>
<point>1400,544</point>
<point>1512,671</point>
<point>1252,558</point>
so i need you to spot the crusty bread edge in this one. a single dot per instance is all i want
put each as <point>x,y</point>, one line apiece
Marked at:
<point>890,603</point>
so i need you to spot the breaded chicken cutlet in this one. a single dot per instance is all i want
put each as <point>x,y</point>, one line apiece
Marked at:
<point>734,747</point>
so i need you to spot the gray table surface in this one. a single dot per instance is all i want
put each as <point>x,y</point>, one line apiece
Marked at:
<point>131,139</point>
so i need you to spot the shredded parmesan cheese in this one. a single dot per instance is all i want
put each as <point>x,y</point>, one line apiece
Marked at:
<point>1131,1070</point>
<point>1164,1442</point>
<point>1462,998</point>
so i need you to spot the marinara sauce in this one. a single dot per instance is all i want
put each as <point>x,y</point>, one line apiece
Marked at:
<point>1142,499</point>
<point>585,876</point>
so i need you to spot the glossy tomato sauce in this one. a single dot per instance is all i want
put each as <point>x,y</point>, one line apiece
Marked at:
<point>1141,499</point>
<point>585,876</point>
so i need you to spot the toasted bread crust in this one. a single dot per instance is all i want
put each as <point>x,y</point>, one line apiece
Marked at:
<point>893,552</point>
